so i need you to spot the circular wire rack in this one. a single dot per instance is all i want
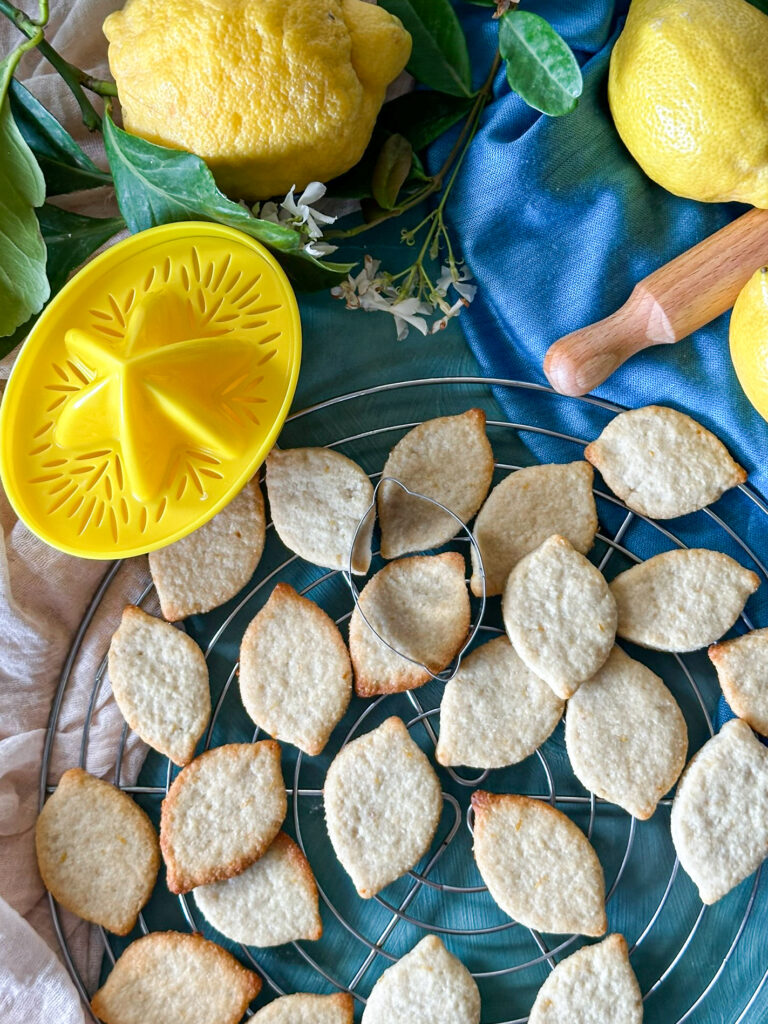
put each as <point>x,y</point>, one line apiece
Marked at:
<point>679,948</point>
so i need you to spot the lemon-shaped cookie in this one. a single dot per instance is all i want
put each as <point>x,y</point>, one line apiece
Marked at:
<point>150,390</point>
<point>688,90</point>
<point>271,93</point>
<point>749,340</point>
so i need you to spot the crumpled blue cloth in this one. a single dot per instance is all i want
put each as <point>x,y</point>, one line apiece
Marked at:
<point>558,223</point>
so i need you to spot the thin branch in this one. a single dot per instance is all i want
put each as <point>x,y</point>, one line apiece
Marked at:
<point>468,128</point>
<point>74,77</point>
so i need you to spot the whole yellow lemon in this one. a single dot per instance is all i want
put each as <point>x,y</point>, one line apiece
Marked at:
<point>688,90</point>
<point>749,340</point>
<point>270,93</point>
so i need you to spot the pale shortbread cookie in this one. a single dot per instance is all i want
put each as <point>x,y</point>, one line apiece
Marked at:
<point>742,669</point>
<point>221,813</point>
<point>317,498</point>
<point>420,606</point>
<point>626,736</point>
<point>169,977</point>
<point>523,510</point>
<point>295,673</point>
<point>720,811</point>
<point>305,1008</point>
<point>97,851</point>
<point>495,711</point>
<point>560,615</point>
<point>213,563</point>
<point>595,985</point>
<point>159,678</point>
<point>681,600</point>
<point>448,459</point>
<point>427,986</point>
<point>539,867</point>
<point>271,902</point>
<point>382,806</point>
<point>662,463</point>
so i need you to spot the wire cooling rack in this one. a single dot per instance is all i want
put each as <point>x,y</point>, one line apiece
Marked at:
<point>694,963</point>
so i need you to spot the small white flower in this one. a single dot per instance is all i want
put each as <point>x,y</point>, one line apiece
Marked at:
<point>270,211</point>
<point>452,311</point>
<point>370,290</point>
<point>319,249</point>
<point>458,280</point>
<point>300,211</point>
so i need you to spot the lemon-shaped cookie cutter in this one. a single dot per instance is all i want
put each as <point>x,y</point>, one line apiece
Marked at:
<point>150,390</point>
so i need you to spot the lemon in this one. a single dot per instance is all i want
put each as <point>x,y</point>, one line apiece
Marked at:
<point>749,340</point>
<point>688,90</point>
<point>270,93</point>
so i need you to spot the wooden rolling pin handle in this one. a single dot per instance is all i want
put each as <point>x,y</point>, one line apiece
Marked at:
<point>664,307</point>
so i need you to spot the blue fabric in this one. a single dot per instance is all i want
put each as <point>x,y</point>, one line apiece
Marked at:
<point>558,223</point>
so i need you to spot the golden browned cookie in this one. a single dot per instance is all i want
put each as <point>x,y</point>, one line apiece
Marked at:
<point>626,736</point>
<point>429,984</point>
<point>170,977</point>
<point>539,867</point>
<point>594,985</point>
<point>720,811</point>
<point>662,463</point>
<point>221,813</point>
<point>271,902</point>
<point>318,498</point>
<point>742,670</point>
<point>213,563</point>
<point>420,606</point>
<point>448,459</point>
<point>523,510</point>
<point>495,711</point>
<point>295,673</point>
<point>560,615</point>
<point>159,678</point>
<point>382,806</point>
<point>97,851</point>
<point>305,1008</point>
<point>681,600</point>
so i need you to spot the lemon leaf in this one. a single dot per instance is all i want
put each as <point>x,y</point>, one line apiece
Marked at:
<point>157,185</point>
<point>70,238</point>
<point>309,274</point>
<point>65,166</point>
<point>439,58</point>
<point>23,284</point>
<point>541,67</point>
<point>424,115</point>
<point>392,168</point>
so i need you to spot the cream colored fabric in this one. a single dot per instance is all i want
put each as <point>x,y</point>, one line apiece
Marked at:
<point>43,596</point>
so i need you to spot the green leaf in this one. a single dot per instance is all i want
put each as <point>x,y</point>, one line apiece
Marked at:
<point>23,284</point>
<point>156,185</point>
<point>439,58</point>
<point>70,238</point>
<point>312,275</point>
<point>65,166</point>
<point>356,182</point>
<point>391,170</point>
<point>540,65</point>
<point>424,115</point>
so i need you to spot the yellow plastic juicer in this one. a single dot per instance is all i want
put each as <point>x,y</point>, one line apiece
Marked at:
<point>150,390</point>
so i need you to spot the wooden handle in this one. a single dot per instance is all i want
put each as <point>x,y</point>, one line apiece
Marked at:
<point>664,307</point>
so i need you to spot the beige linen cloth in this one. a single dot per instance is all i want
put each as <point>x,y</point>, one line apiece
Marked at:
<point>43,597</point>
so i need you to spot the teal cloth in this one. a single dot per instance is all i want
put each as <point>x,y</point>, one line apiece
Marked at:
<point>557,223</point>
<point>344,351</point>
